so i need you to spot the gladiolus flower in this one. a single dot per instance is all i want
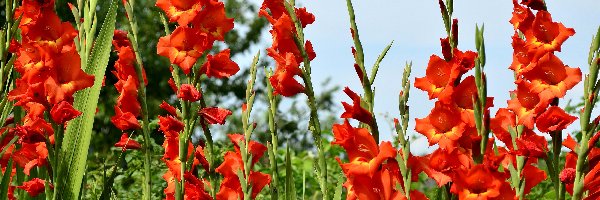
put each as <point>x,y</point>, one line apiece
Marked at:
<point>522,17</point>
<point>531,145</point>
<point>183,47</point>
<point>441,165</point>
<point>356,111</point>
<point>479,182</point>
<point>546,35</point>
<point>215,115</point>
<point>63,112</point>
<point>188,92</point>
<point>127,143</point>
<point>282,80</point>
<point>551,78</point>
<point>34,187</point>
<point>181,11</point>
<point>125,120</point>
<point>554,119</point>
<point>501,123</point>
<point>527,105</point>
<point>439,76</point>
<point>357,142</point>
<point>442,126</point>
<point>213,21</point>
<point>232,164</point>
<point>169,108</point>
<point>220,65</point>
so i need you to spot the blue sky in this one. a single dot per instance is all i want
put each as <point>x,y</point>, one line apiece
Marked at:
<point>416,26</point>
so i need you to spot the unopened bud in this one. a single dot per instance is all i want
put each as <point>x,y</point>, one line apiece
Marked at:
<point>567,175</point>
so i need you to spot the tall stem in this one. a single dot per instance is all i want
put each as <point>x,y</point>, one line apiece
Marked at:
<point>139,69</point>
<point>315,126</point>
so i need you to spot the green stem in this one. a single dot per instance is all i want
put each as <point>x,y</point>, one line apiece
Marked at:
<point>315,127</point>
<point>272,115</point>
<point>139,69</point>
<point>366,82</point>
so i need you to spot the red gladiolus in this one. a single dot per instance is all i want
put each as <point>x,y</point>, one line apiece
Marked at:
<point>527,105</point>
<point>546,35</point>
<point>215,115</point>
<point>127,143</point>
<point>34,187</point>
<point>282,80</point>
<point>554,119</point>
<point>442,126</point>
<point>213,21</point>
<point>63,112</point>
<point>232,164</point>
<point>169,108</point>
<point>183,47</point>
<point>479,182</point>
<point>125,120</point>
<point>181,11</point>
<point>188,92</point>
<point>442,165</point>
<point>356,111</point>
<point>551,78</point>
<point>220,65</point>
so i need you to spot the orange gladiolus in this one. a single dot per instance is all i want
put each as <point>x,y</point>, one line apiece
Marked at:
<point>551,78</point>
<point>184,46</point>
<point>442,126</point>
<point>479,182</point>
<point>527,105</point>
<point>181,11</point>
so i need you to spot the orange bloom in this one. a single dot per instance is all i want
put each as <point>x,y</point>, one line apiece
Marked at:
<point>551,78</point>
<point>463,95</point>
<point>479,182</point>
<point>183,47</point>
<point>125,120</point>
<point>214,115</point>
<point>194,187</point>
<point>232,164</point>
<point>180,11</point>
<point>127,143</point>
<point>357,142</point>
<point>546,35</point>
<point>219,65</point>
<point>381,185</point>
<point>63,112</point>
<point>188,92</point>
<point>439,77</point>
<point>531,144</point>
<point>213,21</point>
<point>500,125</point>
<point>442,126</point>
<point>441,165</point>
<point>554,119</point>
<point>527,104</point>
<point>356,111</point>
<point>34,187</point>
<point>283,80</point>
<point>49,31</point>
<point>31,155</point>
<point>67,78</point>
<point>522,17</point>
<point>128,98</point>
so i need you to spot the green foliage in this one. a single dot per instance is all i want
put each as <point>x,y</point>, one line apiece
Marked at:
<point>73,156</point>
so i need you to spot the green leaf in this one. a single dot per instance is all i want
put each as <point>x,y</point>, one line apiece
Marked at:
<point>5,181</point>
<point>74,150</point>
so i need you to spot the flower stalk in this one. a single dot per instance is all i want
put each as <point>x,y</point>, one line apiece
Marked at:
<point>366,81</point>
<point>401,129</point>
<point>272,146</point>
<point>315,125</point>
<point>139,69</point>
<point>592,85</point>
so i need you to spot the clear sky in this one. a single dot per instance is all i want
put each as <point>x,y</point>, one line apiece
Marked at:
<point>416,26</point>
